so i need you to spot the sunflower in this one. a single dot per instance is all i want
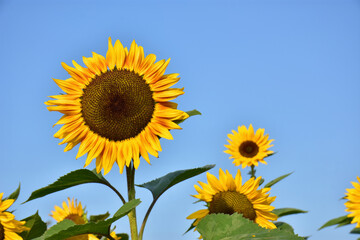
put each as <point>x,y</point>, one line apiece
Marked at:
<point>227,195</point>
<point>353,205</point>
<point>9,227</point>
<point>74,212</point>
<point>117,106</point>
<point>248,148</point>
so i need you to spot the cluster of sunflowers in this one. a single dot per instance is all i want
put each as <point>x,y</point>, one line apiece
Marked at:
<point>117,108</point>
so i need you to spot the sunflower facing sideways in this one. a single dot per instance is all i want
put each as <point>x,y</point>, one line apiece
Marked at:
<point>9,227</point>
<point>248,148</point>
<point>74,212</point>
<point>228,195</point>
<point>353,205</point>
<point>117,106</point>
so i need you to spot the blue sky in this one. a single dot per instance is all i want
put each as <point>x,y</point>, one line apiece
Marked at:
<point>291,67</point>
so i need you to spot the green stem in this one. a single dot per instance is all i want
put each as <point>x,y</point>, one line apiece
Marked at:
<point>145,219</point>
<point>130,174</point>
<point>253,171</point>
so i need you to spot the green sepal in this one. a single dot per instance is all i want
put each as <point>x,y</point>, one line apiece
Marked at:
<point>355,231</point>
<point>280,212</point>
<point>160,185</point>
<point>344,220</point>
<point>36,225</point>
<point>236,227</point>
<point>123,236</point>
<point>191,227</point>
<point>190,113</point>
<point>68,228</point>
<point>15,194</point>
<point>100,217</point>
<point>283,226</point>
<point>69,180</point>
<point>276,180</point>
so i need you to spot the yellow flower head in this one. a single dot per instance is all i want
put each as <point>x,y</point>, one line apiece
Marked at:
<point>353,205</point>
<point>9,227</point>
<point>228,195</point>
<point>248,148</point>
<point>75,212</point>
<point>117,106</point>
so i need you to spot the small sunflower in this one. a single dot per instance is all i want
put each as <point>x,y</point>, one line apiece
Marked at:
<point>353,205</point>
<point>9,227</point>
<point>248,148</point>
<point>117,106</point>
<point>227,195</point>
<point>75,212</point>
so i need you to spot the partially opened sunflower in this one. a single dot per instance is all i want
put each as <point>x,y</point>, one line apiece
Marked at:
<point>228,195</point>
<point>9,227</point>
<point>117,106</point>
<point>353,203</point>
<point>74,211</point>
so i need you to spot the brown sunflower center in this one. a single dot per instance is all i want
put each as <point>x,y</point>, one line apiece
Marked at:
<point>231,202</point>
<point>75,218</point>
<point>2,232</point>
<point>248,149</point>
<point>117,104</point>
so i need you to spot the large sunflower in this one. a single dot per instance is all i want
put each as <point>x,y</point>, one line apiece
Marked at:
<point>74,212</point>
<point>117,107</point>
<point>248,148</point>
<point>353,205</point>
<point>228,195</point>
<point>9,227</point>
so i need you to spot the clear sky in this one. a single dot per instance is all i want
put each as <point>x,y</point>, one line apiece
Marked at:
<point>291,67</point>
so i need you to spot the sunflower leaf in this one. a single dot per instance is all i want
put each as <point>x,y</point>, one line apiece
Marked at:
<point>284,226</point>
<point>69,180</point>
<point>191,227</point>
<point>280,212</point>
<point>15,194</point>
<point>355,231</point>
<point>123,236</point>
<point>236,227</point>
<point>160,185</point>
<point>100,217</point>
<point>190,113</point>
<point>276,180</point>
<point>67,228</point>
<point>336,221</point>
<point>36,225</point>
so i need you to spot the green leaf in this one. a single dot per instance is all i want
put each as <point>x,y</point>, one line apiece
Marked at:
<point>336,221</point>
<point>69,180</point>
<point>355,231</point>
<point>160,185</point>
<point>284,226</point>
<point>36,225</point>
<point>123,236</point>
<point>100,217</point>
<point>15,194</point>
<point>280,212</point>
<point>236,227</point>
<point>67,228</point>
<point>276,180</point>
<point>190,113</point>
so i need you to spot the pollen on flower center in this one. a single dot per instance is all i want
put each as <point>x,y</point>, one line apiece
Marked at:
<point>2,232</point>
<point>248,149</point>
<point>231,202</point>
<point>117,104</point>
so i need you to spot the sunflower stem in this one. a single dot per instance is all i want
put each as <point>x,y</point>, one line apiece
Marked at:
<point>252,171</point>
<point>130,174</point>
